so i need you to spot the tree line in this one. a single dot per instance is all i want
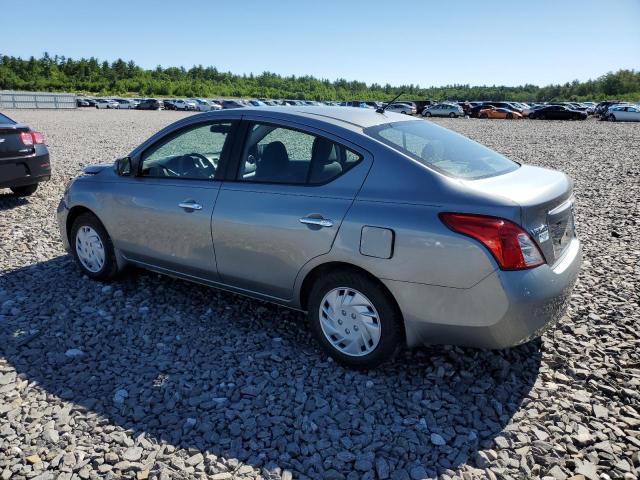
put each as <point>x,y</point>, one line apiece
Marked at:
<point>92,77</point>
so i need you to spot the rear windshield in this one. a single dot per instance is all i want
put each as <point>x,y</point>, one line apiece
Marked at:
<point>5,119</point>
<point>441,149</point>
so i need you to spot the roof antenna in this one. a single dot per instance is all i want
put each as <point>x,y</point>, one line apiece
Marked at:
<point>382,109</point>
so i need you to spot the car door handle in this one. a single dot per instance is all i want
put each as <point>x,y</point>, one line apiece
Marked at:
<point>319,221</point>
<point>190,205</point>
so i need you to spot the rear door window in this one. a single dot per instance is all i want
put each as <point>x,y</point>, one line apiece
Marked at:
<point>441,149</point>
<point>274,154</point>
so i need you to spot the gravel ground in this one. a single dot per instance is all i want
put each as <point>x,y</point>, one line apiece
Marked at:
<point>155,377</point>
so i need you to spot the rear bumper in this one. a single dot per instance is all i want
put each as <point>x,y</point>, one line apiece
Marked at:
<point>20,171</point>
<point>503,310</point>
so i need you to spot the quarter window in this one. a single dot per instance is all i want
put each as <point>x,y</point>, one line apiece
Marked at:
<point>192,154</point>
<point>275,154</point>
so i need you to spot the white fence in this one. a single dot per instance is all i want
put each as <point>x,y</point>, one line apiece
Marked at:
<point>10,99</point>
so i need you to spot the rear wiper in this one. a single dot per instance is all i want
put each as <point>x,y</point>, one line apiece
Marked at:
<point>382,109</point>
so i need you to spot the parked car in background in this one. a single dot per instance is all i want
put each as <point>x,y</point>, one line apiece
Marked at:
<point>168,105</point>
<point>400,107</point>
<point>602,107</point>
<point>489,111</point>
<point>24,157</point>
<point>149,104</point>
<point>201,105</point>
<point>623,113</point>
<point>508,105</point>
<point>106,103</point>
<point>82,102</point>
<point>464,246</point>
<point>443,110</point>
<point>557,112</point>
<point>257,103</point>
<point>226,104</point>
<point>215,105</point>
<point>358,104</point>
<point>125,104</point>
<point>185,105</point>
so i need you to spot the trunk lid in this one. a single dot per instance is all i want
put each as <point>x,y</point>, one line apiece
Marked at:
<point>546,203</point>
<point>10,143</point>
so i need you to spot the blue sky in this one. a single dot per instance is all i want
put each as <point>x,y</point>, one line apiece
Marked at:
<point>503,42</point>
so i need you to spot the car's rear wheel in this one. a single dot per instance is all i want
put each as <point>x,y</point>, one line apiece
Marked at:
<point>92,248</point>
<point>354,319</point>
<point>25,190</point>
<point>510,116</point>
<point>452,115</point>
<point>612,118</point>
<point>483,115</point>
<point>428,114</point>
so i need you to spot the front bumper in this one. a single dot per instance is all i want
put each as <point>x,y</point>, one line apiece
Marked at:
<point>61,215</point>
<point>505,309</point>
<point>25,170</point>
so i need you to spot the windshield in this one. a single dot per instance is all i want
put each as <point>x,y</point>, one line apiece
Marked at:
<point>441,149</point>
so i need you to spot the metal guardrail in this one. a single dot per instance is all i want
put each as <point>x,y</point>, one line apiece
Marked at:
<point>11,99</point>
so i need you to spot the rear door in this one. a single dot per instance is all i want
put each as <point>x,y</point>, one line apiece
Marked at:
<point>165,210</point>
<point>283,204</point>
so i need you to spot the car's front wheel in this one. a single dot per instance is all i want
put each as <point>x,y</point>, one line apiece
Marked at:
<point>428,114</point>
<point>92,248</point>
<point>355,320</point>
<point>25,190</point>
<point>452,115</point>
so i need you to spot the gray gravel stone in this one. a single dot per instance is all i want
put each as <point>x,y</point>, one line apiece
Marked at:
<point>201,383</point>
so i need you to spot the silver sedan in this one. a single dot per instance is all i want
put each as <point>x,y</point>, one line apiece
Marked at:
<point>389,231</point>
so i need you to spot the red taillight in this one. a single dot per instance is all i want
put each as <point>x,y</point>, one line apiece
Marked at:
<point>26,138</point>
<point>31,138</point>
<point>511,246</point>
<point>37,137</point>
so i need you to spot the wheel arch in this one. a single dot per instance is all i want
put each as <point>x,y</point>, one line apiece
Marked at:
<point>74,213</point>
<point>333,266</point>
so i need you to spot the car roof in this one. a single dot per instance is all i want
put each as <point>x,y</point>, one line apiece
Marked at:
<point>339,116</point>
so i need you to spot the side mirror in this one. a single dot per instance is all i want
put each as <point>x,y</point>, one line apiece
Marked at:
<point>122,166</point>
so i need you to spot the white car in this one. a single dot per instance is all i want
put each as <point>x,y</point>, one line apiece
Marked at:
<point>106,103</point>
<point>215,105</point>
<point>201,104</point>
<point>125,104</point>
<point>624,113</point>
<point>185,105</point>
<point>401,108</point>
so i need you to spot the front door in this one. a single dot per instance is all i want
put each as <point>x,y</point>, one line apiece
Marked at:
<point>283,207</point>
<point>166,209</point>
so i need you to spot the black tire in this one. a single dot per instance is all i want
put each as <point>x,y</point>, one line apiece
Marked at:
<point>428,114</point>
<point>510,116</point>
<point>109,269</point>
<point>452,115</point>
<point>390,318</point>
<point>612,118</point>
<point>483,115</point>
<point>25,190</point>
<point>541,117</point>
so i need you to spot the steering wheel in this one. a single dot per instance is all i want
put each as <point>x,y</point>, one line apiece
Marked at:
<point>168,172</point>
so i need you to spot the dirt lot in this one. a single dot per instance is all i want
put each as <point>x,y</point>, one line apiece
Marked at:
<point>151,376</point>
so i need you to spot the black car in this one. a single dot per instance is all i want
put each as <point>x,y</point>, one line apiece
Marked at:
<point>232,104</point>
<point>169,105</point>
<point>24,157</point>
<point>82,102</point>
<point>149,104</point>
<point>557,112</point>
